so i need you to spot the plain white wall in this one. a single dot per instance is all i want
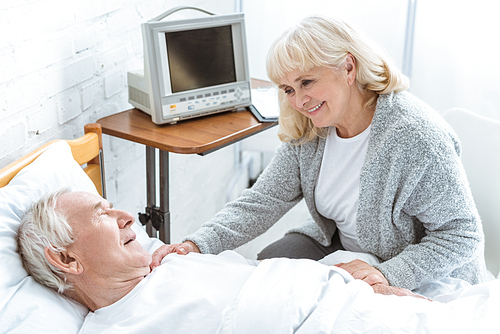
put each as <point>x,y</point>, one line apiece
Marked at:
<point>456,53</point>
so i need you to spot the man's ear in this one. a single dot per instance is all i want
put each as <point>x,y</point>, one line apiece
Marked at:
<point>63,261</point>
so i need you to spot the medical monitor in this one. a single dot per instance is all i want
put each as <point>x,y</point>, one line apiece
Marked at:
<point>192,68</point>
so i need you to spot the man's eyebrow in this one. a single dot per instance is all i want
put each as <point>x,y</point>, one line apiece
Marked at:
<point>98,205</point>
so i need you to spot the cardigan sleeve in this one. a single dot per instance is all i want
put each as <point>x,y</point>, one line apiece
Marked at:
<point>276,191</point>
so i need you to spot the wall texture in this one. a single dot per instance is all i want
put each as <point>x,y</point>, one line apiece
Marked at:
<point>455,55</point>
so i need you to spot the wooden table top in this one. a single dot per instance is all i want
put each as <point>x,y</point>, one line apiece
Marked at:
<point>200,135</point>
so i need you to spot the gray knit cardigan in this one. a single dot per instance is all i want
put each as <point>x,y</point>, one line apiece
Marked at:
<point>415,213</point>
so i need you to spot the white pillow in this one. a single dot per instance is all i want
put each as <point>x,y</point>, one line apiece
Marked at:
<point>26,306</point>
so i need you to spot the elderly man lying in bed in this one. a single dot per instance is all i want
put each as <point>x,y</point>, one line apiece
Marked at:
<point>77,244</point>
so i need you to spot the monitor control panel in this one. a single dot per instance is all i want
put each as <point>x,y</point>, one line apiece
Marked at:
<point>224,99</point>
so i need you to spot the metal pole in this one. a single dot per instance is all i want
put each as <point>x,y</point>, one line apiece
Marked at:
<point>103,176</point>
<point>150,186</point>
<point>238,6</point>
<point>164,197</point>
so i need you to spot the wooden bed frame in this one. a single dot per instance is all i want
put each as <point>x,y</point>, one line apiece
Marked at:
<point>87,151</point>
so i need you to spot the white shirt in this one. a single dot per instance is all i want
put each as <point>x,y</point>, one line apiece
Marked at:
<point>186,294</point>
<point>337,189</point>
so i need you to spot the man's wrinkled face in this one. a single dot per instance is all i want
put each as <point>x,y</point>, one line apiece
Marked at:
<point>104,242</point>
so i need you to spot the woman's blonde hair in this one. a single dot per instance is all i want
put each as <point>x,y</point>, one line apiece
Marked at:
<point>325,42</point>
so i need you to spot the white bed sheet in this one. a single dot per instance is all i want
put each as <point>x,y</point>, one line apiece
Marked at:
<point>303,297</point>
<point>185,295</point>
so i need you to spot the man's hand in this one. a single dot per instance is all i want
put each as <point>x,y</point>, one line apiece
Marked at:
<point>182,249</point>
<point>363,271</point>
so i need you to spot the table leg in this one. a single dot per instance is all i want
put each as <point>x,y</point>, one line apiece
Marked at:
<point>150,187</point>
<point>157,219</point>
<point>164,197</point>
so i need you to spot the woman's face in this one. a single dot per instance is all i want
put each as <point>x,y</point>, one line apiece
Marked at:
<point>322,94</point>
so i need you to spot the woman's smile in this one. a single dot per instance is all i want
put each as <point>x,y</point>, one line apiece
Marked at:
<point>312,110</point>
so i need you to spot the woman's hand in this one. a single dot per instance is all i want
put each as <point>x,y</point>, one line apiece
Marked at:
<point>182,249</point>
<point>392,290</point>
<point>363,271</point>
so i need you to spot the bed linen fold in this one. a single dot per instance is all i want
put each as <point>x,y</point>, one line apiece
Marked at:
<point>303,296</point>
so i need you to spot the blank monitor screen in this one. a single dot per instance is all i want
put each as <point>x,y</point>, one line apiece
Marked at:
<point>200,58</point>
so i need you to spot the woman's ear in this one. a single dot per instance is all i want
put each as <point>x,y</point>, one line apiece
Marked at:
<point>63,261</point>
<point>350,68</point>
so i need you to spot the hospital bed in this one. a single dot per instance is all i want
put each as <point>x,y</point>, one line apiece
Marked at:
<point>27,307</point>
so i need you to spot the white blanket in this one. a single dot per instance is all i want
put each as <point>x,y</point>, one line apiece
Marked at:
<point>302,296</point>
<point>185,295</point>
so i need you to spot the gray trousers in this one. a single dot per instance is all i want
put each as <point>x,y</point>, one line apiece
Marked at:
<point>300,246</point>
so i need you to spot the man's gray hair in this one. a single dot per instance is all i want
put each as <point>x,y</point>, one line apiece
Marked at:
<point>42,226</point>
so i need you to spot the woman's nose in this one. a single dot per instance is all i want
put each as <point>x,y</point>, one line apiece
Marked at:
<point>301,99</point>
<point>124,219</point>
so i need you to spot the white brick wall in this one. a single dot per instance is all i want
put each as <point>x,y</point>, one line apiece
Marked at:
<point>13,137</point>
<point>69,74</point>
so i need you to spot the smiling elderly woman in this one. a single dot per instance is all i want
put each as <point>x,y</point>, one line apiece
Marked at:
<point>379,169</point>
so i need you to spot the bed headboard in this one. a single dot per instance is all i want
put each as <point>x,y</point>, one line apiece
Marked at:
<point>86,150</point>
